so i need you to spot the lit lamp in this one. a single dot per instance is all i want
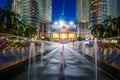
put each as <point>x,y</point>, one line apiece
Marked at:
<point>42,37</point>
<point>71,23</point>
<point>83,21</point>
<point>61,22</point>
<point>55,23</point>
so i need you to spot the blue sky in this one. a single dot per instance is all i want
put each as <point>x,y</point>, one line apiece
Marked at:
<point>69,10</point>
<point>57,5</point>
<point>3,3</point>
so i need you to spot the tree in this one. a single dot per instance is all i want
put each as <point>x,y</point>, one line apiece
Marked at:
<point>30,31</point>
<point>110,25</point>
<point>3,15</point>
<point>118,26</point>
<point>97,30</point>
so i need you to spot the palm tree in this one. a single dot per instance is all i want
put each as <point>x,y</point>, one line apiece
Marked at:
<point>101,30</point>
<point>3,15</point>
<point>13,23</point>
<point>93,30</point>
<point>118,26</point>
<point>97,30</point>
<point>110,25</point>
<point>9,23</point>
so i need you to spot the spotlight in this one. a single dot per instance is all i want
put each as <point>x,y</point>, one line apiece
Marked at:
<point>71,23</point>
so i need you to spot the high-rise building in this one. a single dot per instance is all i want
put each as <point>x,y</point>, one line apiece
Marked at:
<point>118,7</point>
<point>82,17</point>
<point>33,13</point>
<point>36,13</point>
<point>97,11</point>
<point>89,12</point>
<point>112,8</point>
<point>45,7</point>
<point>101,9</point>
<point>17,6</point>
<point>29,11</point>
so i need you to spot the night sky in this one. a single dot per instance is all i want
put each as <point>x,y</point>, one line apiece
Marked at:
<point>69,10</point>
<point>3,3</point>
<point>57,7</point>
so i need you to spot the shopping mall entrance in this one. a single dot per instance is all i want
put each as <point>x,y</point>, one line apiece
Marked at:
<point>71,36</point>
<point>64,33</point>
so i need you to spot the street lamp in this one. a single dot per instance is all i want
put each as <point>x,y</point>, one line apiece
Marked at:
<point>61,22</point>
<point>71,23</point>
<point>55,23</point>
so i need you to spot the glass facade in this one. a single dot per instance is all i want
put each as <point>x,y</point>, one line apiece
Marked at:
<point>98,11</point>
<point>45,7</point>
<point>82,16</point>
<point>33,12</point>
<point>112,8</point>
<point>30,12</point>
<point>118,7</point>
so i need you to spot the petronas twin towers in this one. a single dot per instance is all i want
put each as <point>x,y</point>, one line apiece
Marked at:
<point>88,12</point>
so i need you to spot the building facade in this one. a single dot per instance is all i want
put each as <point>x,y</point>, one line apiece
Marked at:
<point>97,11</point>
<point>82,17</point>
<point>28,10</point>
<point>89,12</point>
<point>100,9</point>
<point>45,7</point>
<point>37,13</point>
<point>118,7</point>
<point>112,8</point>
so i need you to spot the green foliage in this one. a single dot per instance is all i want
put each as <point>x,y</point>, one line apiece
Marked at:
<point>109,28</point>
<point>11,23</point>
<point>80,38</point>
<point>47,38</point>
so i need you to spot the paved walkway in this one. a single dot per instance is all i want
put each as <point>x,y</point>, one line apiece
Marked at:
<point>63,63</point>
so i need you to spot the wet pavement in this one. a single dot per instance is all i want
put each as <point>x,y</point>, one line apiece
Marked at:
<point>63,63</point>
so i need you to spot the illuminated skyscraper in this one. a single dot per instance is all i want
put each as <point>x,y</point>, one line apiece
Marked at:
<point>118,7</point>
<point>37,13</point>
<point>45,7</point>
<point>29,11</point>
<point>112,8</point>
<point>82,17</point>
<point>98,11</point>
<point>101,9</point>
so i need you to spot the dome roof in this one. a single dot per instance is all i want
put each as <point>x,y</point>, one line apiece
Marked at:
<point>64,29</point>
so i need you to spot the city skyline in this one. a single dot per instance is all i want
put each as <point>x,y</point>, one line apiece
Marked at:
<point>69,10</point>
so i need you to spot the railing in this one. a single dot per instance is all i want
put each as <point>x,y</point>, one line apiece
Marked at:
<point>13,47</point>
<point>108,51</point>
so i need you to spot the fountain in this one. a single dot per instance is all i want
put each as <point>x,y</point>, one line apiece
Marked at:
<point>31,59</point>
<point>83,51</point>
<point>42,51</point>
<point>95,54</point>
<point>61,74</point>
